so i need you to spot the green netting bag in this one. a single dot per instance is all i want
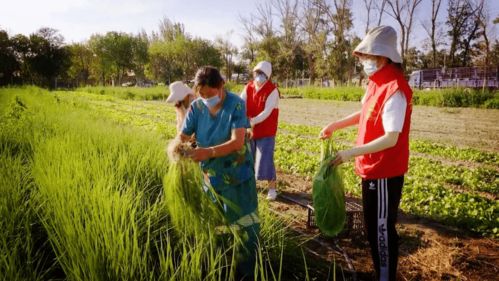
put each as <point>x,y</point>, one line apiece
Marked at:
<point>328,194</point>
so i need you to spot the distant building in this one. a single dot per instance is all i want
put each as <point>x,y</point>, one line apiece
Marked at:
<point>468,77</point>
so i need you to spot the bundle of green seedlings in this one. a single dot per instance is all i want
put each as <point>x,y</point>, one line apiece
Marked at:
<point>191,211</point>
<point>196,214</point>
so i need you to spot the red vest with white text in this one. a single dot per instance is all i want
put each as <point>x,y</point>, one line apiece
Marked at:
<point>255,104</point>
<point>393,161</point>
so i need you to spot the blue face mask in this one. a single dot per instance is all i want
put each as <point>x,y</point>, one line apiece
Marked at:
<point>260,78</point>
<point>211,102</point>
<point>370,66</point>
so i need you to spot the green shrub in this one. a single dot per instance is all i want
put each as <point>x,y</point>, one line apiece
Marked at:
<point>129,93</point>
<point>455,97</point>
<point>492,103</point>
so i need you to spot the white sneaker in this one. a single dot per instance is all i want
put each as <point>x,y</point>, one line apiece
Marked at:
<point>272,195</point>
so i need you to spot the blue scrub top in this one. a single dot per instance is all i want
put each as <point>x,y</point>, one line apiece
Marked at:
<point>211,130</point>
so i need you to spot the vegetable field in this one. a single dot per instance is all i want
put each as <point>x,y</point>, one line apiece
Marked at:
<point>82,190</point>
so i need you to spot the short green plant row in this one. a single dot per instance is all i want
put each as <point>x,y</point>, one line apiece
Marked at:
<point>453,97</point>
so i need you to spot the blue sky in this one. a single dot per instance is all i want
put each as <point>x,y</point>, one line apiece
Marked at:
<point>76,20</point>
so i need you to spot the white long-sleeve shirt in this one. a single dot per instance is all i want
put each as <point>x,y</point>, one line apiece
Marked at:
<point>271,103</point>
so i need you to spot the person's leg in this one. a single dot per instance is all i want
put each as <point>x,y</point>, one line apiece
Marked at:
<point>380,199</point>
<point>248,252</point>
<point>272,194</point>
<point>370,206</point>
<point>252,143</point>
<point>264,164</point>
<point>245,198</point>
<point>394,194</point>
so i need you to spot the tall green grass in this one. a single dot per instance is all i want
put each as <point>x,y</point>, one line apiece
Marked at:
<point>83,198</point>
<point>22,255</point>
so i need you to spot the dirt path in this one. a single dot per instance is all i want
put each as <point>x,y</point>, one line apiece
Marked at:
<point>428,249</point>
<point>470,127</point>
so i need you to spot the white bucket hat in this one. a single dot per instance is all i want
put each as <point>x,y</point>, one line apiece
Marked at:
<point>380,41</point>
<point>178,91</point>
<point>265,67</point>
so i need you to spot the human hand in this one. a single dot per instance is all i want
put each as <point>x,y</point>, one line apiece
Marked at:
<point>249,133</point>
<point>341,157</point>
<point>252,123</point>
<point>325,133</point>
<point>177,149</point>
<point>200,154</point>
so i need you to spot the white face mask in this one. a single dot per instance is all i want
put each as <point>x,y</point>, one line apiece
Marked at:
<point>260,78</point>
<point>370,66</point>
<point>211,102</point>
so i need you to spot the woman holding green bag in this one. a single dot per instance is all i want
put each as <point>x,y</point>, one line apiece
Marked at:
<point>382,150</point>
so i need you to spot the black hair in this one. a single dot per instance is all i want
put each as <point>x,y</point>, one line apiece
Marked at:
<point>398,65</point>
<point>208,76</point>
<point>258,71</point>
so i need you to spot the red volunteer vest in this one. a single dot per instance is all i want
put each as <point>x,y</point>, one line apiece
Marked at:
<point>393,161</point>
<point>255,104</point>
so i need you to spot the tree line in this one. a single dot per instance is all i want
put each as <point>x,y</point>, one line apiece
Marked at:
<point>310,39</point>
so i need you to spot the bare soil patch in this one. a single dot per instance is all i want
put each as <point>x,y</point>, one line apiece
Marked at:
<point>428,250</point>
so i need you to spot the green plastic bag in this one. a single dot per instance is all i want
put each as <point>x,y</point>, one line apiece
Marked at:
<point>328,195</point>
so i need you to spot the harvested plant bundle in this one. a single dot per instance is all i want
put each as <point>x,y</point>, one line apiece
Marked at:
<point>191,210</point>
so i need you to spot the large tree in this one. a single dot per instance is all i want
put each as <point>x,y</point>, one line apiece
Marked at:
<point>117,53</point>
<point>433,31</point>
<point>369,4</point>
<point>228,51</point>
<point>403,12</point>
<point>259,27</point>
<point>179,59</point>
<point>8,62</point>
<point>43,57</point>
<point>290,54</point>
<point>340,60</point>
<point>82,59</point>
<point>315,29</point>
<point>464,22</point>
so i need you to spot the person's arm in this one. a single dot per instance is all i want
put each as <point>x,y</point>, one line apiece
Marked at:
<point>244,94</point>
<point>388,140</point>
<point>188,124</point>
<point>393,121</point>
<point>180,112</point>
<point>235,143</point>
<point>271,103</point>
<point>239,123</point>
<point>350,120</point>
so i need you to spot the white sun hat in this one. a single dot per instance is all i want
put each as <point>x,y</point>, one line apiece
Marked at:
<point>380,41</point>
<point>265,67</point>
<point>178,91</point>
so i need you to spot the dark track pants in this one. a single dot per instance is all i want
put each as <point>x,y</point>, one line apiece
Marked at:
<point>380,200</point>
